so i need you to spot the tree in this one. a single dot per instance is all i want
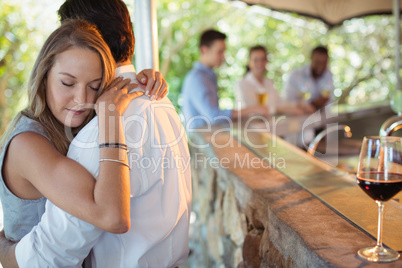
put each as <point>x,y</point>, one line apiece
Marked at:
<point>16,58</point>
<point>361,50</point>
<point>24,26</point>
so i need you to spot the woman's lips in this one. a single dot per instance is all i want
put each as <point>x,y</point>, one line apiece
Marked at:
<point>76,112</point>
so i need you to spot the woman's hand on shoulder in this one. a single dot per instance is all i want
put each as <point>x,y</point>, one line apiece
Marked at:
<point>115,99</point>
<point>156,86</point>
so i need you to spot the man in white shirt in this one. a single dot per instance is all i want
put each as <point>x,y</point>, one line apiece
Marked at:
<point>160,175</point>
<point>313,82</point>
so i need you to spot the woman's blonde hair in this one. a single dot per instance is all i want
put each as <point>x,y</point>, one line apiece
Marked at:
<point>72,33</point>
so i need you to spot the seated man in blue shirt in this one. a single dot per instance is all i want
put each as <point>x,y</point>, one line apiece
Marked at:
<point>312,83</point>
<point>200,99</point>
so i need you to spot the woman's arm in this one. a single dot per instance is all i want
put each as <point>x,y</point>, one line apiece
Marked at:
<point>34,167</point>
<point>7,252</point>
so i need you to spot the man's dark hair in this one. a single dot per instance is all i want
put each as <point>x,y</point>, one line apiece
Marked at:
<point>209,36</point>
<point>112,19</point>
<point>320,49</point>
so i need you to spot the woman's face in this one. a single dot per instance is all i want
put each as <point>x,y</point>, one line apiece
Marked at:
<point>72,84</point>
<point>258,62</point>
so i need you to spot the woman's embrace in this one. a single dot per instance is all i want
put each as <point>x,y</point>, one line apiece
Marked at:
<point>85,218</point>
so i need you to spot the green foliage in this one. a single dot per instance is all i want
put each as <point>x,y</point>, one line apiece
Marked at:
<point>362,50</point>
<point>24,26</point>
<point>16,59</point>
<point>180,24</point>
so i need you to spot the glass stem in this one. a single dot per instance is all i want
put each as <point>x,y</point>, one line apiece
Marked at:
<point>380,216</point>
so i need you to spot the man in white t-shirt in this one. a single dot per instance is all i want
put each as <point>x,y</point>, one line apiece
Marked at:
<point>313,82</point>
<point>160,175</point>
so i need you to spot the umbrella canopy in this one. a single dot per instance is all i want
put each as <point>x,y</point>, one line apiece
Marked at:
<point>332,12</point>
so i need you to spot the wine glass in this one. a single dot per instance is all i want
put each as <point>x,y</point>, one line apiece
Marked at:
<point>379,175</point>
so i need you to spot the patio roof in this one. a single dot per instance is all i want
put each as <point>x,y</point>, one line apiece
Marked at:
<point>332,12</point>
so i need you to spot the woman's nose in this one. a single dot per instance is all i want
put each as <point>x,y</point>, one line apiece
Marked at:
<point>80,96</point>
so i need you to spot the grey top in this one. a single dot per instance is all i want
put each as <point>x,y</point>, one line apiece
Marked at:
<point>20,215</point>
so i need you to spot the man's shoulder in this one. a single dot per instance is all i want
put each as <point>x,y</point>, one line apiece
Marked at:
<point>159,118</point>
<point>197,73</point>
<point>328,73</point>
<point>143,105</point>
<point>300,69</point>
<point>299,72</point>
<point>195,78</point>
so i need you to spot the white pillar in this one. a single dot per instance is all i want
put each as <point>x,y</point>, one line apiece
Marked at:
<point>146,35</point>
<point>397,44</point>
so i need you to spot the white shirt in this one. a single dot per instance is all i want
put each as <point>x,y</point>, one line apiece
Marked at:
<point>248,88</point>
<point>160,205</point>
<point>301,81</point>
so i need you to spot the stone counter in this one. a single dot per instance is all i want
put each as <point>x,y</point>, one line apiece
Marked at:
<point>249,214</point>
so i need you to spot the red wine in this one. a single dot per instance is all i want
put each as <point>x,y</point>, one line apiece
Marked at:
<point>375,185</point>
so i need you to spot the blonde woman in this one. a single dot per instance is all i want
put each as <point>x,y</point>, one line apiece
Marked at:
<point>74,70</point>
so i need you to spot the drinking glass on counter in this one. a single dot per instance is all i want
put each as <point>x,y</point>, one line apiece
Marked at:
<point>304,91</point>
<point>325,93</point>
<point>326,89</point>
<point>379,175</point>
<point>262,98</point>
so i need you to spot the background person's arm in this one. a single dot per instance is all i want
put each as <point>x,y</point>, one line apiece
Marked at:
<point>331,87</point>
<point>291,88</point>
<point>205,99</point>
<point>260,110</point>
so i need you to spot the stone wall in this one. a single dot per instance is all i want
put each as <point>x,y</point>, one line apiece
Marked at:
<point>230,229</point>
<point>257,217</point>
<point>220,226</point>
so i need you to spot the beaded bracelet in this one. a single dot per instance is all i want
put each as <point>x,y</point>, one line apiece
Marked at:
<point>114,145</point>
<point>113,160</point>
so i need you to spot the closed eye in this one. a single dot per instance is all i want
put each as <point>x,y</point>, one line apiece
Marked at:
<point>95,88</point>
<point>66,84</point>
